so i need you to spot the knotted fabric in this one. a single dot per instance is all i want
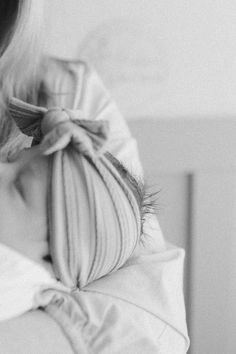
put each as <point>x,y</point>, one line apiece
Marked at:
<point>94,217</point>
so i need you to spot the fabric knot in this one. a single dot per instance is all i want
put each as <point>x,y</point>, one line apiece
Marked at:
<point>53,117</point>
<point>56,127</point>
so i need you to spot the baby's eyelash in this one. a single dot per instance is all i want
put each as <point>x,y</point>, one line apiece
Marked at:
<point>145,196</point>
<point>149,205</point>
<point>146,199</point>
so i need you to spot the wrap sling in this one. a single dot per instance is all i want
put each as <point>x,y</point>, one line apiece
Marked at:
<point>101,310</point>
<point>94,216</point>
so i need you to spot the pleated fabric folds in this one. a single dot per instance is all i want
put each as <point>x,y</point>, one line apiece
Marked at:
<point>94,216</point>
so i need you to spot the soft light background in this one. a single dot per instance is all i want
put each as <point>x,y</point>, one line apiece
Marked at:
<point>189,45</point>
<point>172,63</point>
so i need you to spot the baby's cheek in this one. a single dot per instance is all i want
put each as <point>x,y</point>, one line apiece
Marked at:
<point>37,228</point>
<point>39,243</point>
<point>36,237</point>
<point>25,232</point>
<point>35,185</point>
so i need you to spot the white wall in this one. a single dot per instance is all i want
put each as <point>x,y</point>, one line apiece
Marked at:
<point>159,57</point>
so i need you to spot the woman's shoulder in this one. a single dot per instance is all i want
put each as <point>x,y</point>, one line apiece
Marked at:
<point>76,85</point>
<point>66,80</point>
<point>61,79</point>
<point>64,67</point>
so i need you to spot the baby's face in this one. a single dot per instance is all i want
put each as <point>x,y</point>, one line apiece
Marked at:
<point>23,200</point>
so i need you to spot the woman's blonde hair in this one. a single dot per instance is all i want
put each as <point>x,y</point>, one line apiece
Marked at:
<point>21,42</point>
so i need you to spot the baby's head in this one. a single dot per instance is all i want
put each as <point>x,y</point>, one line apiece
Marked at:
<point>91,202</point>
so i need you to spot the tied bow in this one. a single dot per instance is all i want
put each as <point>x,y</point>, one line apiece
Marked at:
<point>56,128</point>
